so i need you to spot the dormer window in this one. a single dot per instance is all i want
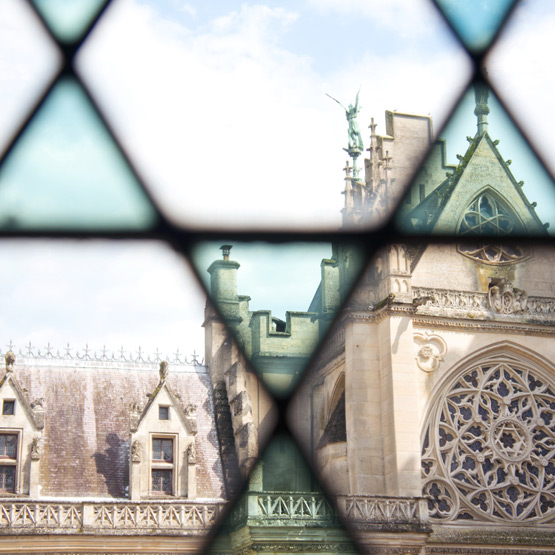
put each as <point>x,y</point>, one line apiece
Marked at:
<point>162,465</point>
<point>163,413</point>
<point>8,407</point>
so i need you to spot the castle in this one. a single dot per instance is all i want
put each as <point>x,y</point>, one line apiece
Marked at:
<point>427,413</point>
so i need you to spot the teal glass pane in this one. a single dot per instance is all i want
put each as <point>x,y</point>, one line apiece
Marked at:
<point>480,178</point>
<point>65,171</point>
<point>516,66</point>
<point>475,21</point>
<point>278,300</point>
<point>283,509</point>
<point>68,19</point>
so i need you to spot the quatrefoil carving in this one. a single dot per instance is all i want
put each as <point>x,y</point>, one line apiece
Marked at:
<point>431,351</point>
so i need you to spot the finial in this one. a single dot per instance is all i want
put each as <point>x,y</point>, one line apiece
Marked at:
<point>481,111</point>
<point>10,361</point>
<point>225,251</point>
<point>164,370</point>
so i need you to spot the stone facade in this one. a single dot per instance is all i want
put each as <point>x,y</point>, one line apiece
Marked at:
<point>428,412</point>
<point>438,377</point>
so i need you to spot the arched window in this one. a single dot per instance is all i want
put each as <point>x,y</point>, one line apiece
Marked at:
<point>489,443</point>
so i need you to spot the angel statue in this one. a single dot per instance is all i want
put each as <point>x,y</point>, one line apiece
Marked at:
<point>355,138</point>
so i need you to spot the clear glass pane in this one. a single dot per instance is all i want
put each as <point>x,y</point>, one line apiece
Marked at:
<point>65,171</point>
<point>278,300</point>
<point>495,185</point>
<point>68,19</point>
<point>518,68</point>
<point>475,21</point>
<point>100,300</point>
<point>225,109</point>
<point>28,59</point>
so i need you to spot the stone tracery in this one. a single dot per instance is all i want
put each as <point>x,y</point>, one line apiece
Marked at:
<point>489,446</point>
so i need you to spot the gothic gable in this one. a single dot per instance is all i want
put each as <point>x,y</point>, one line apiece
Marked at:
<point>483,183</point>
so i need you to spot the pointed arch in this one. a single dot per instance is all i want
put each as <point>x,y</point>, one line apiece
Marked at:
<point>489,213</point>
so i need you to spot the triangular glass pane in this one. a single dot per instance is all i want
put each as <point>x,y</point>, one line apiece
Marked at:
<point>65,171</point>
<point>516,66</point>
<point>260,129</point>
<point>283,510</point>
<point>491,188</point>
<point>68,19</point>
<point>29,58</point>
<point>475,21</point>
<point>278,300</point>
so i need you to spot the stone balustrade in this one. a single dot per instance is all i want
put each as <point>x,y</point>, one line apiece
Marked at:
<point>300,509</point>
<point>293,506</point>
<point>382,510</point>
<point>92,516</point>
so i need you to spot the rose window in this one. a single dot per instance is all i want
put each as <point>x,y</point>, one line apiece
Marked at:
<point>489,447</point>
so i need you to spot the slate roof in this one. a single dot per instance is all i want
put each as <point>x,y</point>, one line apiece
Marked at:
<point>85,442</point>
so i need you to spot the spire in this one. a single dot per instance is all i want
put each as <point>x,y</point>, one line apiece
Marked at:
<point>481,93</point>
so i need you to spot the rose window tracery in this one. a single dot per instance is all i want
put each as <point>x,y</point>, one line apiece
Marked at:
<point>489,446</point>
<point>487,216</point>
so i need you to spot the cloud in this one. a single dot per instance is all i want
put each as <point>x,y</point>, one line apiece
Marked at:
<point>229,126</point>
<point>409,18</point>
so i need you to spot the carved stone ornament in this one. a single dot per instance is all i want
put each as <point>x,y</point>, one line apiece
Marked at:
<point>136,451</point>
<point>191,453</point>
<point>431,351</point>
<point>134,416</point>
<point>503,298</point>
<point>10,361</point>
<point>164,370</point>
<point>489,446</point>
<point>191,411</point>
<point>35,449</point>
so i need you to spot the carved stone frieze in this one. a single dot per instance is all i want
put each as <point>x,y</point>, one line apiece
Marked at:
<point>503,298</point>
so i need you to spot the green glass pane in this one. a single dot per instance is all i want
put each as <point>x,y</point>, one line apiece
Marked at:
<point>278,300</point>
<point>283,509</point>
<point>68,19</point>
<point>494,186</point>
<point>475,21</point>
<point>65,171</point>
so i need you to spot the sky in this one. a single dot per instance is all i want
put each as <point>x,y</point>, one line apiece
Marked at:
<point>222,107</point>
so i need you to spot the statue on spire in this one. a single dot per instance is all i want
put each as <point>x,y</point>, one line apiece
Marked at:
<point>351,113</point>
<point>356,147</point>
